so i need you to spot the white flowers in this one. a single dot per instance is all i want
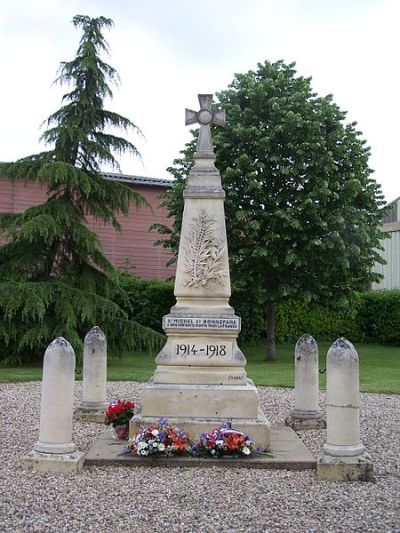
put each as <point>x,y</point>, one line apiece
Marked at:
<point>155,432</point>
<point>246,450</point>
<point>161,447</point>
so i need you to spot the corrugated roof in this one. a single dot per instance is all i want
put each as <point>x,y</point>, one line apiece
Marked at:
<point>140,180</point>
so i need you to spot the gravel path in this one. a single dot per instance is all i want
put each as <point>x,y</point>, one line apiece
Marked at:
<point>203,500</point>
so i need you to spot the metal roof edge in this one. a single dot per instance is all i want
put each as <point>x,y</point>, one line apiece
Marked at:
<point>393,201</point>
<point>138,180</point>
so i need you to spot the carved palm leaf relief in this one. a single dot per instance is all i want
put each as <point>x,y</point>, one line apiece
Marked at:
<point>204,254</point>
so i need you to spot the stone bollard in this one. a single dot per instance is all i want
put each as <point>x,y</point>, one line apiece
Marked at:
<point>93,404</point>
<point>306,413</point>
<point>343,457</point>
<point>55,451</point>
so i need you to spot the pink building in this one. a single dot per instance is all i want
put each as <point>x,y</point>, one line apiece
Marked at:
<point>133,248</point>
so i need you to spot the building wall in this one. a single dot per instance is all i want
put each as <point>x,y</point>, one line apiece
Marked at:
<point>391,253</point>
<point>132,249</point>
<point>390,271</point>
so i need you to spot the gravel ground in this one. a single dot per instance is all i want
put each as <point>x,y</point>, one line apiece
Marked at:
<point>216,499</point>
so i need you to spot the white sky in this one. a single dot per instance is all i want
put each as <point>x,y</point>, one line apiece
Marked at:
<point>166,52</point>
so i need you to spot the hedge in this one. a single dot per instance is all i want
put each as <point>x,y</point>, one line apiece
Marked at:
<point>293,319</point>
<point>147,300</point>
<point>379,317</point>
<point>373,317</point>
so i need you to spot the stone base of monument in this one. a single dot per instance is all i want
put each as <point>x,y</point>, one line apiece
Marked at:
<point>53,462</point>
<point>303,420</point>
<point>90,415</point>
<point>195,375</point>
<point>258,428</point>
<point>335,468</point>
<point>287,452</point>
<point>200,408</point>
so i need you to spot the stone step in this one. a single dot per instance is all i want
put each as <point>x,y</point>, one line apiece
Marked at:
<point>288,451</point>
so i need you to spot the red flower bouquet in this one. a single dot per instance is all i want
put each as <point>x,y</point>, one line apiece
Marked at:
<point>118,415</point>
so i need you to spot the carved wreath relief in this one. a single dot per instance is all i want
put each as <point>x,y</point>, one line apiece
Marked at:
<point>203,253</point>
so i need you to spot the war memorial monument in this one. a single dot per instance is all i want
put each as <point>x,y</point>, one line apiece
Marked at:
<point>200,379</point>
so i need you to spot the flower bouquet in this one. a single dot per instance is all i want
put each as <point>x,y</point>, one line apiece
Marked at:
<point>160,440</point>
<point>224,440</point>
<point>118,415</point>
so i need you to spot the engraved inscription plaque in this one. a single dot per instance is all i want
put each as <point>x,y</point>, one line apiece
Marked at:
<point>230,324</point>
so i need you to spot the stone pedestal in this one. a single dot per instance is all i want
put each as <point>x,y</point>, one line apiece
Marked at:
<point>352,468</point>
<point>198,408</point>
<point>300,420</point>
<point>67,463</point>
<point>200,380</point>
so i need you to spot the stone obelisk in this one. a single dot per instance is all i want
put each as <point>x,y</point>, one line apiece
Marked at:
<point>200,379</point>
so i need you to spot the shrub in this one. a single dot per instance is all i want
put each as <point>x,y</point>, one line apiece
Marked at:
<point>147,300</point>
<point>296,318</point>
<point>249,307</point>
<point>379,317</point>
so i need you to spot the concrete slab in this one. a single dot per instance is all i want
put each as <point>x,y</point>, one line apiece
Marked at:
<point>358,468</point>
<point>86,415</point>
<point>66,463</point>
<point>289,453</point>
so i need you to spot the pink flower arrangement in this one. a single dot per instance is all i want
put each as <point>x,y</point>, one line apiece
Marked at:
<point>224,440</point>
<point>160,440</point>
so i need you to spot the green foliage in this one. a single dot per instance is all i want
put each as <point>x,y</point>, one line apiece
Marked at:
<point>54,277</point>
<point>78,127</point>
<point>146,300</point>
<point>249,306</point>
<point>371,317</point>
<point>293,319</point>
<point>379,317</point>
<point>39,311</point>
<point>302,209</point>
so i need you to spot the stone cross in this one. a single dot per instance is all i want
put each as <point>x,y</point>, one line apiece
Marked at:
<point>205,117</point>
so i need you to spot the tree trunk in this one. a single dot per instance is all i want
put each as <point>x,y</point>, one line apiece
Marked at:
<point>271,348</point>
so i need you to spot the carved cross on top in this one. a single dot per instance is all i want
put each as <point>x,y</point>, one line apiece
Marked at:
<point>205,117</point>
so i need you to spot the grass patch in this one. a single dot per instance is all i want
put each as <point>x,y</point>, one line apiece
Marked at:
<point>379,367</point>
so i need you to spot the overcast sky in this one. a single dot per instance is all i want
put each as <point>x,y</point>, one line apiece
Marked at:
<point>167,52</point>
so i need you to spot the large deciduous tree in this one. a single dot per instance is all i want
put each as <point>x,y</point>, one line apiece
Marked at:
<point>54,277</point>
<point>302,209</point>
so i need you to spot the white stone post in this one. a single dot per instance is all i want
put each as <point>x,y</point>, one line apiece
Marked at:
<point>306,413</point>
<point>55,451</point>
<point>343,457</point>
<point>93,404</point>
